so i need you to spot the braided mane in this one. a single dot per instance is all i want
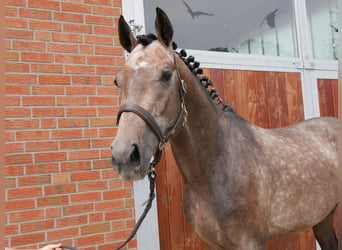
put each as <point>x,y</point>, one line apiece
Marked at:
<point>193,66</point>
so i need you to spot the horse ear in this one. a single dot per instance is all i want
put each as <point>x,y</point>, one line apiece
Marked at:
<point>163,27</point>
<point>127,39</point>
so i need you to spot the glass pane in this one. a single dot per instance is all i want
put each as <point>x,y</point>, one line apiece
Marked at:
<point>323,23</point>
<point>263,27</point>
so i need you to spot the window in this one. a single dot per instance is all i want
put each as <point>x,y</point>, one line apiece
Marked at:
<point>322,17</point>
<point>261,27</point>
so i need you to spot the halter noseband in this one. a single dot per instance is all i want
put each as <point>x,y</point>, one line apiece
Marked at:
<point>151,122</point>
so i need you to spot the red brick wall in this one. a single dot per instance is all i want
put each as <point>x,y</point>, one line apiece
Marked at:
<point>60,106</point>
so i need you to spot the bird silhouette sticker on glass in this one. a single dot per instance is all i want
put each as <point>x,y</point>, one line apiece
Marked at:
<point>196,13</point>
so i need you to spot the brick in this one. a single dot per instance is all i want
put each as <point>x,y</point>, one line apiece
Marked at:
<point>32,135</point>
<point>67,37</point>
<point>95,218</point>
<point>17,90</point>
<point>71,101</point>
<point>34,13</point>
<point>10,182</point>
<point>42,168</point>
<point>91,132</point>
<point>118,214</point>
<point>104,163</point>
<point>101,143</point>
<point>44,90</point>
<point>28,45</point>
<point>19,204</point>
<point>102,122</point>
<point>89,240</point>
<point>46,4</point>
<point>68,17</point>
<point>86,49</point>
<point>85,175</point>
<point>48,123</point>
<point>59,189</point>
<point>106,10</point>
<point>62,233</point>
<point>108,90</point>
<point>98,2</point>
<point>85,197</point>
<point>107,132</point>
<point>33,226</point>
<point>109,205</point>
<point>77,28</point>
<point>50,156</point>
<point>105,153</point>
<point>53,201</point>
<point>17,67</point>
<point>78,209</point>
<point>66,134</point>
<point>97,19</point>
<point>46,68</point>
<point>34,180</point>
<point>75,7</point>
<point>17,112</point>
<point>11,56</point>
<point>58,47</point>
<point>94,185</point>
<point>27,238</point>
<point>68,58</point>
<point>24,192</point>
<point>83,154</point>
<point>41,35</point>
<point>36,57</point>
<point>14,170</point>
<point>75,166</point>
<point>16,2</point>
<point>100,60</point>
<point>79,69</point>
<point>116,194</point>
<point>117,235</point>
<point>11,229</point>
<point>12,101</point>
<point>18,159</point>
<point>86,80</point>
<point>60,178</point>
<point>54,79</point>
<point>47,112</point>
<point>53,212</point>
<point>41,146</point>
<point>19,34</point>
<point>11,22</point>
<point>96,39</point>
<point>21,123</point>
<point>20,78</point>
<point>72,122</point>
<point>105,30</point>
<point>72,221</point>
<point>11,11</point>
<point>96,100</point>
<point>106,70</point>
<point>74,144</point>
<point>108,50</point>
<point>38,100</point>
<point>95,228</point>
<point>45,25</point>
<point>81,111</point>
<point>108,111</point>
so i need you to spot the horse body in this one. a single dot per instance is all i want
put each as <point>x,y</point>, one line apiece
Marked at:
<point>242,184</point>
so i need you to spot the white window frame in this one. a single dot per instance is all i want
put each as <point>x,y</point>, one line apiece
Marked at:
<point>310,69</point>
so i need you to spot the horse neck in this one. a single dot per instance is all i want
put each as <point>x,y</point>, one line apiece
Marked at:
<point>202,130</point>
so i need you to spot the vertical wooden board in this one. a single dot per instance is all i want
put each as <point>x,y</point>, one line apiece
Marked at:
<point>322,97</point>
<point>335,95</point>
<point>272,99</point>
<point>300,102</point>
<point>253,115</point>
<point>285,243</point>
<point>163,206</point>
<point>229,87</point>
<point>217,78</point>
<point>294,98</point>
<point>241,94</point>
<point>262,99</point>
<point>175,197</point>
<point>329,97</point>
<point>307,240</point>
<point>282,99</point>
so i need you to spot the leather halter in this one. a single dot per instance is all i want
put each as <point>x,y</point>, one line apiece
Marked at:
<point>151,122</point>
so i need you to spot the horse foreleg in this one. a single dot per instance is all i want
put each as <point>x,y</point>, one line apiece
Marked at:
<point>325,234</point>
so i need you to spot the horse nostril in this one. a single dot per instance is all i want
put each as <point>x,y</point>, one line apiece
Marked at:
<point>135,156</point>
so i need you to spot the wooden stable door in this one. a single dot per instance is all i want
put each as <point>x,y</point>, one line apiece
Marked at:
<point>267,99</point>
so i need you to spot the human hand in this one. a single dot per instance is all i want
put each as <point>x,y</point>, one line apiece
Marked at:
<point>52,247</point>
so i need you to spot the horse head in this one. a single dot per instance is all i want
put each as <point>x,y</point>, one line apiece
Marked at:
<point>150,99</point>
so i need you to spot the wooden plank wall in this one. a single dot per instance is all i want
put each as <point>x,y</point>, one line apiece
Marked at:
<point>267,99</point>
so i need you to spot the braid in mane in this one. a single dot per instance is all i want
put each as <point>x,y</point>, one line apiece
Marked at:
<point>204,80</point>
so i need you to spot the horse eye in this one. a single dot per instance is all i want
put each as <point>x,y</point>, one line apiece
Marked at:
<point>116,83</point>
<point>166,75</point>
